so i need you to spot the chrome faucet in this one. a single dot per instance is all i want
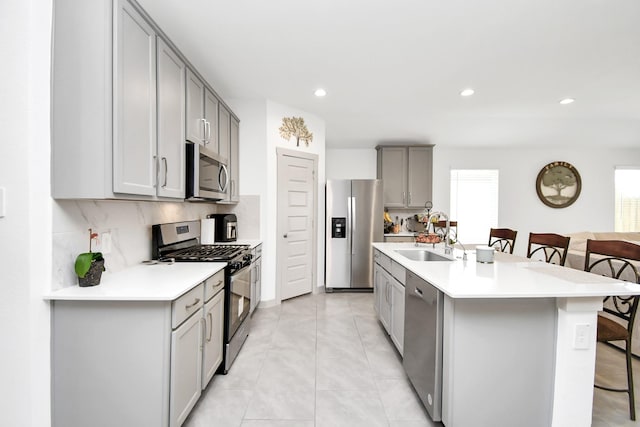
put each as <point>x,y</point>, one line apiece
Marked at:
<point>448,249</point>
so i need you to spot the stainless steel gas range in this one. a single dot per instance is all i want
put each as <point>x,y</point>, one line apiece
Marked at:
<point>180,241</point>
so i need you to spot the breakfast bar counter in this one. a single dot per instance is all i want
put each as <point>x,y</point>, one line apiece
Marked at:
<point>518,336</point>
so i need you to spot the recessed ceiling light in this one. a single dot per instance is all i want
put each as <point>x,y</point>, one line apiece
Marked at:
<point>567,101</point>
<point>467,92</point>
<point>320,92</point>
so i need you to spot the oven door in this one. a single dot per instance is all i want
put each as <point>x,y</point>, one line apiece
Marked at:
<point>240,298</point>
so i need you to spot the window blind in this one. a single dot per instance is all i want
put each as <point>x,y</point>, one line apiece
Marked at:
<point>627,199</point>
<point>474,203</point>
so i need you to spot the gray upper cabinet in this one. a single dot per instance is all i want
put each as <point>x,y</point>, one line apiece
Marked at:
<point>234,161</point>
<point>224,135</point>
<point>392,168</point>
<point>134,142</point>
<point>211,117</point>
<point>171,122</point>
<point>196,123</point>
<point>123,101</point>
<point>202,113</point>
<point>406,172</point>
<point>228,138</point>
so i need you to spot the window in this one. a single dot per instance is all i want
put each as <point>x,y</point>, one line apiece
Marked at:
<point>474,203</point>
<point>627,189</point>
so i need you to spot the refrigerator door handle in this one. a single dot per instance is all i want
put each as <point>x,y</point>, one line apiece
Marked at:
<point>349,225</point>
<point>354,217</point>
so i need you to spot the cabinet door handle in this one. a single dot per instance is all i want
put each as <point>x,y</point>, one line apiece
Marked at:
<point>187,307</point>
<point>418,292</point>
<point>203,130</point>
<point>409,202</point>
<point>202,332</point>
<point>156,169</point>
<point>210,318</point>
<point>207,128</point>
<point>403,197</point>
<point>166,171</point>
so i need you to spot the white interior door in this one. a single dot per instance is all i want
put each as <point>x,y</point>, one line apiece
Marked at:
<point>296,210</point>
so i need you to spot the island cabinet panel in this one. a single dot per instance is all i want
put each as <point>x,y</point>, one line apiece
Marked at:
<point>397,315</point>
<point>498,350</point>
<point>389,296</point>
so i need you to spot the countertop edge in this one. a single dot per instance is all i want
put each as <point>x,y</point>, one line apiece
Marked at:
<point>546,285</point>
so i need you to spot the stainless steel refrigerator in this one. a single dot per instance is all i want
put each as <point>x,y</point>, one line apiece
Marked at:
<point>354,219</point>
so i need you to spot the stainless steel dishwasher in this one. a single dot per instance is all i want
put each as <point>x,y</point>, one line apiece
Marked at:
<point>423,342</point>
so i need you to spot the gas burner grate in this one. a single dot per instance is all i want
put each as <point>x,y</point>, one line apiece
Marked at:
<point>208,252</point>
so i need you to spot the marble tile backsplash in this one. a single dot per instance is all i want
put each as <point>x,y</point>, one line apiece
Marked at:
<point>129,223</point>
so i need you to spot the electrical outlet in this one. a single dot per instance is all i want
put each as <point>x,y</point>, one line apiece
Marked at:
<point>582,336</point>
<point>105,242</point>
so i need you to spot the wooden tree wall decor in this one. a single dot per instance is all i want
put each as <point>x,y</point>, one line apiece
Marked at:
<point>294,126</point>
<point>558,184</point>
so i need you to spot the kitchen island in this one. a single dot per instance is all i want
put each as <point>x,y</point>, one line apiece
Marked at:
<point>517,337</point>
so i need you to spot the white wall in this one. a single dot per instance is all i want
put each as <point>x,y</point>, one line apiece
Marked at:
<point>25,229</point>
<point>519,206</point>
<point>351,163</point>
<point>260,120</point>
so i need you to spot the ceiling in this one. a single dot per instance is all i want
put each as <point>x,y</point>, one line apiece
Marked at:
<point>393,70</point>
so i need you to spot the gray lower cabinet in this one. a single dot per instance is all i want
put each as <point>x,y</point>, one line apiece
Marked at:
<point>212,346</point>
<point>135,363</point>
<point>256,277</point>
<point>389,294</point>
<point>406,172</point>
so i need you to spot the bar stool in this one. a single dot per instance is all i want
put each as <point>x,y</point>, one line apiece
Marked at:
<point>440,229</point>
<point>503,239</point>
<point>612,259</point>
<point>553,247</point>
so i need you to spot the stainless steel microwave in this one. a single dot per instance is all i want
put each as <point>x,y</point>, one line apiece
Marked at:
<point>207,174</point>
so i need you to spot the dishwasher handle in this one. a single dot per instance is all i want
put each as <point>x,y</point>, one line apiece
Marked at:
<point>429,298</point>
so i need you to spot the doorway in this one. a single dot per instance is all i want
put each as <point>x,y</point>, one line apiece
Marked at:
<point>296,260</point>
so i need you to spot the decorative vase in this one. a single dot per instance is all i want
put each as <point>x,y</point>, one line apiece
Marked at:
<point>92,278</point>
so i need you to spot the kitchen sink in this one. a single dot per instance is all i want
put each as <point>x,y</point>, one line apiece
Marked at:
<point>422,255</point>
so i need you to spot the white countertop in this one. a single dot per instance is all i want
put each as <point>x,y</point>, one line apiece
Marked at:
<point>508,277</point>
<point>159,282</point>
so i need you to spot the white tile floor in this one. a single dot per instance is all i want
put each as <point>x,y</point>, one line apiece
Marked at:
<point>324,360</point>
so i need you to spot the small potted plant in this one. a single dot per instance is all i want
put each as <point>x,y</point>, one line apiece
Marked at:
<point>89,265</point>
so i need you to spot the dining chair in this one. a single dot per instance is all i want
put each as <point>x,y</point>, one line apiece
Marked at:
<point>553,247</point>
<point>613,258</point>
<point>502,239</point>
<point>440,229</point>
